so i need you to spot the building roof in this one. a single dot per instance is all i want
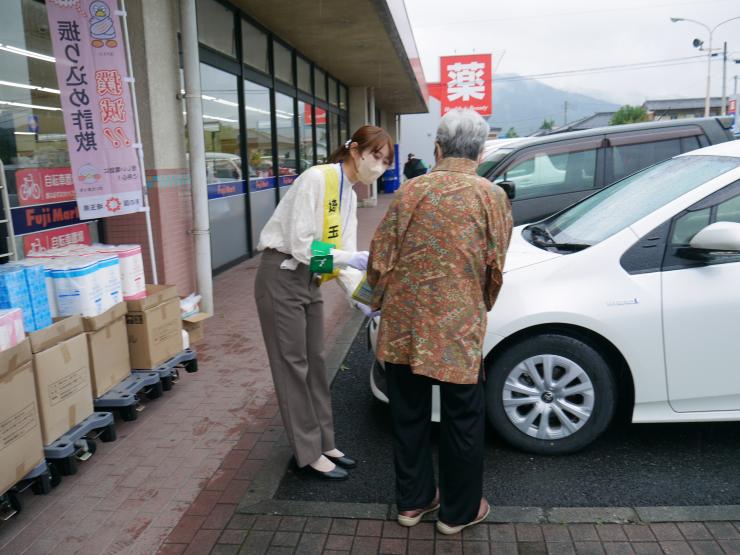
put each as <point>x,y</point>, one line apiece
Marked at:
<point>680,104</point>
<point>366,43</point>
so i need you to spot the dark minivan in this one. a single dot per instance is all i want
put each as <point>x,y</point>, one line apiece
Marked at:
<point>547,174</point>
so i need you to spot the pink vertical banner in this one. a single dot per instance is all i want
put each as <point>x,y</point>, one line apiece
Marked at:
<point>96,102</point>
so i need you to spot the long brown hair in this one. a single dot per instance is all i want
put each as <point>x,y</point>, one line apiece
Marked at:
<point>367,137</point>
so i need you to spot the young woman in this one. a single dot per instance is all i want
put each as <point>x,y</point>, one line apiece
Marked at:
<point>311,238</point>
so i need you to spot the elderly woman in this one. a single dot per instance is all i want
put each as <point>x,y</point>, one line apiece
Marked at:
<point>436,266</point>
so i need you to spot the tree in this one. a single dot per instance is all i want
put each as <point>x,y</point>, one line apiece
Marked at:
<point>629,114</point>
<point>511,133</point>
<point>547,125</point>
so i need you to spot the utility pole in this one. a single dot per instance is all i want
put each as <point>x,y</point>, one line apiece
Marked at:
<point>724,80</point>
<point>565,112</point>
<point>735,84</point>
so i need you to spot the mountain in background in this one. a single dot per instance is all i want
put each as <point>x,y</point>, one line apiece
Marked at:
<point>525,104</point>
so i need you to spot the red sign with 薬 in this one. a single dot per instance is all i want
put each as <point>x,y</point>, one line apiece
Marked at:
<point>70,235</point>
<point>44,185</point>
<point>465,82</point>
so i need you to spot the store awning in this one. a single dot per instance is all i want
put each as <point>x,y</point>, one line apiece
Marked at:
<point>360,42</point>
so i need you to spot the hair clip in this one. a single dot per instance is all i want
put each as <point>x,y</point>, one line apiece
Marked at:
<point>349,142</point>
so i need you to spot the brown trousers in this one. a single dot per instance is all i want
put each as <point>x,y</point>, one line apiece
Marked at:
<point>291,313</point>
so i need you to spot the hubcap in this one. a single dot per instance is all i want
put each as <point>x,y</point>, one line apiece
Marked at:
<point>548,397</point>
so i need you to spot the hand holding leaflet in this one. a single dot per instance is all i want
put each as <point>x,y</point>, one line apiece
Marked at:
<point>367,311</point>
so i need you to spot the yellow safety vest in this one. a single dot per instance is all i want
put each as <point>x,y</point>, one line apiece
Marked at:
<point>332,232</point>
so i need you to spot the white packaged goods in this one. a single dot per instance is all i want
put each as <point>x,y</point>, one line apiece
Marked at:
<point>109,269</point>
<point>11,328</point>
<point>189,305</point>
<point>132,269</point>
<point>78,286</point>
<point>185,340</point>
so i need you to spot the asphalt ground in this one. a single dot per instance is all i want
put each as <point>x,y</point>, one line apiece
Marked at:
<point>632,465</point>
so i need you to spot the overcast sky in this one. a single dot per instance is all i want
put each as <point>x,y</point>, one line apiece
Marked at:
<point>541,36</point>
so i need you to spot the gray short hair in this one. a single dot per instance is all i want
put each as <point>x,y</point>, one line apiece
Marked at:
<point>462,134</point>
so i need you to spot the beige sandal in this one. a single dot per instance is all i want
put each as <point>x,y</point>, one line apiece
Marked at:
<point>443,528</point>
<point>408,521</point>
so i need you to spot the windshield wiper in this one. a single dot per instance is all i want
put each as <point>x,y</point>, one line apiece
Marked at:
<point>547,240</point>
<point>572,247</point>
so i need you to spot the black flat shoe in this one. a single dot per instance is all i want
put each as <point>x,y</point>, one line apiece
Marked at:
<point>334,474</point>
<point>343,461</point>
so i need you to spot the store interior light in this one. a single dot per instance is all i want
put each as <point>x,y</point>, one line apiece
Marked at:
<point>24,133</point>
<point>32,106</point>
<point>29,87</point>
<point>27,53</point>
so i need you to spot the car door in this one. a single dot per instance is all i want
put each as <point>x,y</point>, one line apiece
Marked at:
<point>551,177</point>
<point>701,312</point>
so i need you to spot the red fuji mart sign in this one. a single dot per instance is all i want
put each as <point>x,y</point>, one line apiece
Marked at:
<point>465,82</point>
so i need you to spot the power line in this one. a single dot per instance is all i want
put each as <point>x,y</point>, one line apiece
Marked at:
<point>619,67</point>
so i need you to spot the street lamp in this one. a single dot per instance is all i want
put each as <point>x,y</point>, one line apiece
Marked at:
<point>709,52</point>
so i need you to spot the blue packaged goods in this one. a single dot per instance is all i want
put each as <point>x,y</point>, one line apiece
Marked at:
<point>35,274</point>
<point>14,293</point>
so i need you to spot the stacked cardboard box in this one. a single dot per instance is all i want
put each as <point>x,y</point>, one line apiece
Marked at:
<point>107,344</point>
<point>62,372</point>
<point>21,446</point>
<point>154,327</point>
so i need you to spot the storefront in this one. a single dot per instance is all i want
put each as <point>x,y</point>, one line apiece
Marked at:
<point>33,144</point>
<point>276,100</point>
<point>268,114</point>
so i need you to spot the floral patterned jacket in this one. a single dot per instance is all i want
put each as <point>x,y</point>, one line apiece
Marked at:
<point>436,264</point>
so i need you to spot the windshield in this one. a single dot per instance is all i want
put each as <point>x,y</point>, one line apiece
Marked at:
<point>493,160</point>
<point>613,209</point>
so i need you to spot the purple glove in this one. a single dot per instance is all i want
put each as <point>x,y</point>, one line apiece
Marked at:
<point>358,260</point>
<point>367,311</point>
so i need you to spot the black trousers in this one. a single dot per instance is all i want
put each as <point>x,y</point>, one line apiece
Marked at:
<point>461,445</point>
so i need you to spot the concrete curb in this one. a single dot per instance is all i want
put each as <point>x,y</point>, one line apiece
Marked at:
<point>259,497</point>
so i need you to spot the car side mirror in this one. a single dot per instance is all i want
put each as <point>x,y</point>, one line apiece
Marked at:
<point>509,187</point>
<point>719,237</point>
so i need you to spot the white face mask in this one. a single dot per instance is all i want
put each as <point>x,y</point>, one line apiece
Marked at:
<point>369,169</point>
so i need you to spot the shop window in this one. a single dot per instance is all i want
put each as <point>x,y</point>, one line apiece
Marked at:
<point>226,185</point>
<point>319,83</point>
<point>305,136</point>
<point>333,97</point>
<point>254,47</point>
<point>335,135</point>
<point>304,74</point>
<point>216,26</point>
<point>322,146</point>
<point>262,179</point>
<point>287,158</point>
<point>33,143</point>
<point>342,97</point>
<point>283,62</point>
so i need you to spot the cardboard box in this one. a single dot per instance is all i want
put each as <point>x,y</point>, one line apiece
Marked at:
<point>107,345</point>
<point>61,367</point>
<point>194,326</point>
<point>21,446</point>
<point>155,296</point>
<point>154,327</point>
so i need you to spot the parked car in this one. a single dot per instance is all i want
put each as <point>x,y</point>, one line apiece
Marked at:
<point>551,172</point>
<point>628,297</point>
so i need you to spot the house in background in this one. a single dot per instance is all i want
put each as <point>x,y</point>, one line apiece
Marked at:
<point>678,108</point>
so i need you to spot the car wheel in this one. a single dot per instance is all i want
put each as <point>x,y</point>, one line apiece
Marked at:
<point>551,394</point>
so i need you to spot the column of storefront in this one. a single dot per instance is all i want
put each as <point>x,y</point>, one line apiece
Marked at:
<point>154,50</point>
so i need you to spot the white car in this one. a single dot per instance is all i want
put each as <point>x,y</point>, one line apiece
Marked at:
<point>630,297</point>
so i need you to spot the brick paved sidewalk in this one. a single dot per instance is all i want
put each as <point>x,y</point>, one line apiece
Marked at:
<point>256,535</point>
<point>177,473</point>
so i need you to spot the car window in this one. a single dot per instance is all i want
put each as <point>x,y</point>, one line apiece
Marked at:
<point>729,211</point>
<point>620,205</point>
<point>689,143</point>
<point>628,159</point>
<point>544,174</point>
<point>689,225</point>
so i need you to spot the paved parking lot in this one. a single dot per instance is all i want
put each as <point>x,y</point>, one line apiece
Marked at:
<point>632,465</point>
